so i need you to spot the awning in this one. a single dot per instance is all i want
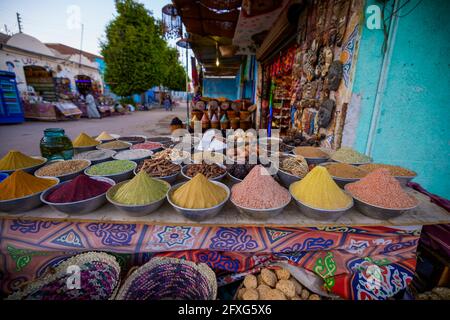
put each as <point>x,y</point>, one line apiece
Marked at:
<point>211,25</point>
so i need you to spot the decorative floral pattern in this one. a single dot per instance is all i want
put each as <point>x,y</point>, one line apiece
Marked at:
<point>174,235</point>
<point>27,226</point>
<point>231,252</point>
<point>378,282</point>
<point>276,234</point>
<point>22,257</point>
<point>69,239</point>
<point>113,234</point>
<point>310,244</point>
<point>326,268</point>
<point>232,239</point>
<point>219,261</point>
<point>400,246</point>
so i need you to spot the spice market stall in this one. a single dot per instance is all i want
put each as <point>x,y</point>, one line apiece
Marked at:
<point>340,226</point>
<point>132,220</point>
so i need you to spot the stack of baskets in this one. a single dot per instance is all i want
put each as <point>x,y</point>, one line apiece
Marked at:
<point>170,279</point>
<point>99,279</point>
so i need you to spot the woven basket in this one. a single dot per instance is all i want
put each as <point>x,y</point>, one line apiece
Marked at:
<point>100,279</point>
<point>170,279</point>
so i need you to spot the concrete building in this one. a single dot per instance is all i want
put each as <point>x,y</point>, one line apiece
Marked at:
<point>40,65</point>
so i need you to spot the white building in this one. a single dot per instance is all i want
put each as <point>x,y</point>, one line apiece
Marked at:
<point>48,67</point>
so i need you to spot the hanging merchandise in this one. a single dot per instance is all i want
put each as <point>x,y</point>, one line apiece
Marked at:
<point>172,27</point>
<point>335,75</point>
<point>325,113</point>
<point>313,74</point>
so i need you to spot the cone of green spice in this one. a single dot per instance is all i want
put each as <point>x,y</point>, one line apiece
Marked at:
<point>141,190</point>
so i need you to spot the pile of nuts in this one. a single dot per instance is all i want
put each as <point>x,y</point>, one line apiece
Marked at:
<point>275,284</point>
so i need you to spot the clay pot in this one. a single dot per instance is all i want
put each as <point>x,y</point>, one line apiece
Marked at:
<point>235,123</point>
<point>225,125</point>
<point>231,114</point>
<point>245,125</point>
<point>215,125</point>
<point>197,113</point>
<point>243,115</point>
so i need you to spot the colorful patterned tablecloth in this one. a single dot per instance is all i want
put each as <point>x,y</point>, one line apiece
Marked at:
<point>355,263</point>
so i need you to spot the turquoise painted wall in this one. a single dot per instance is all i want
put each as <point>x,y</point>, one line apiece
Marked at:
<point>220,87</point>
<point>413,129</point>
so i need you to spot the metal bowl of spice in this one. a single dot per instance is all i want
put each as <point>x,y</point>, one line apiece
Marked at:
<point>261,214</point>
<point>95,156</point>
<point>136,210</point>
<point>25,203</point>
<point>78,150</point>
<point>320,214</point>
<point>136,155</point>
<point>175,155</point>
<point>380,196</point>
<point>403,175</point>
<point>238,171</point>
<point>165,141</point>
<point>63,169</point>
<point>106,137</point>
<point>30,169</point>
<point>312,155</point>
<point>78,207</point>
<point>343,173</point>
<point>292,168</point>
<point>213,171</point>
<point>133,139</point>
<point>153,146</point>
<point>380,213</point>
<point>117,170</point>
<point>160,168</point>
<point>115,145</point>
<point>350,156</point>
<point>199,214</point>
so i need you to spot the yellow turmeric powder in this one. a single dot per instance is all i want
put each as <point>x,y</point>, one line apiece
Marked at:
<point>21,184</point>
<point>104,136</point>
<point>15,160</point>
<point>198,193</point>
<point>318,190</point>
<point>83,140</point>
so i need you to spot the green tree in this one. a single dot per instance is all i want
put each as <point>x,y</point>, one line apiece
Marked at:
<point>134,50</point>
<point>174,75</point>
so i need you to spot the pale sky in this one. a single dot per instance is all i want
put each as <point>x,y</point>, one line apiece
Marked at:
<point>57,20</point>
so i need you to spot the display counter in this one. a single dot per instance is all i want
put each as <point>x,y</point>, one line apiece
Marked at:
<point>342,252</point>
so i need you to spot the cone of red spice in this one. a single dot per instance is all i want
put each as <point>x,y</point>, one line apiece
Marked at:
<point>80,188</point>
<point>380,189</point>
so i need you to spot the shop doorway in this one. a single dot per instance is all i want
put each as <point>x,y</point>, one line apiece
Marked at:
<point>42,82</point>
<point>84,84</point>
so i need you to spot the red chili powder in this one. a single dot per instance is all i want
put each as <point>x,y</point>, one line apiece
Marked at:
<point>379,188</point>
<point>80,188</point>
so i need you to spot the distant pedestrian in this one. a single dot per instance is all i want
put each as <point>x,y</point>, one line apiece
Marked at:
<point>168,103</point>
<point>92,110</point>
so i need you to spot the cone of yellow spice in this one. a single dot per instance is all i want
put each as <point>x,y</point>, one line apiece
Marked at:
<point>16,160</point>
<point>104,136</point>
<point>83,140</point>
<point>21,184</point>
<point>141,190</point>
<point>198,193</point>
<point>318,190</point>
